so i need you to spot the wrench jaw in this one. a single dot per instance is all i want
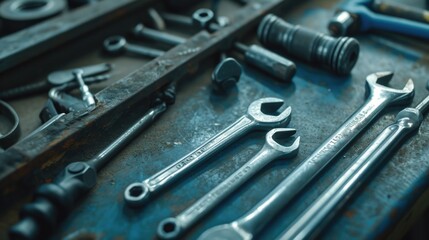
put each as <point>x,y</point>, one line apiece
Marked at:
<point>376,88</point>
<point>275,137</point>
<point>269,113</point>
<point>136,194</point>
<point>169,229</point>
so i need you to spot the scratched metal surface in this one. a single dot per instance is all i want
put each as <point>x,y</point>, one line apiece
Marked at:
<point>320,102</point>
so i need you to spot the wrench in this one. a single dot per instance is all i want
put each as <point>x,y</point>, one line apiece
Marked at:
<point>324,208</point>
<point>171,228</point>
<point>379,97</point>
<point>262,114</point>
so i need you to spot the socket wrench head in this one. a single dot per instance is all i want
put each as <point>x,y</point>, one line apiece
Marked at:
<point>115,44</point>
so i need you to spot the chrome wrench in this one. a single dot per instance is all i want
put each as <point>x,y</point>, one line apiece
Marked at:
<point>262,114</point>
<point>379,97</point>
<point>324,208</point>
<point>172,228</point>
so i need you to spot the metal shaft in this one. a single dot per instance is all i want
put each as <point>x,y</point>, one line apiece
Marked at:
<point>87,96</point>
<point>401,11</point>
<point>144,51</point>
<point>158,36</point>
<point>323,209</point>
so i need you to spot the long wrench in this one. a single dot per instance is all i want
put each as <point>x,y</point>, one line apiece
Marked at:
<point>262,114</point>
<point>324,208</point>
<point>379,97</point>
<point>172,228</point>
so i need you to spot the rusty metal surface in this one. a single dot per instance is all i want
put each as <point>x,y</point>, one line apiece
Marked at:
<point>392,199</point>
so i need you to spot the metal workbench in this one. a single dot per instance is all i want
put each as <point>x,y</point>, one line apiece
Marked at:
<point>386,206</point>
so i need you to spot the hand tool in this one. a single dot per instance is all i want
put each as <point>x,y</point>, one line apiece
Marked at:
<point>156,19</point>
<point>400,10</point>
<point>19,14</point>
<point>355,16</point>
<point>226,74</point>
<point>338,55</point>
<point>262,114</point>
<point>118,44</point>
<point>87,96</point>
<point>91,74</point>
<point>53,201</point>
<point>172,228</point>
<point>10,122</point>
<point>263,59</point>
<point>312,220</point>
<point>379,97</point>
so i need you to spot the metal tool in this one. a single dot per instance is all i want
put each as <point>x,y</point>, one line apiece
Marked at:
<point>159,36</point>
<point>118,45</point>
<point>91,74</point>
<point>338,55</point>
<point>400,10</point>
<point>262,114</point>
<point>19,14</point>
<point>355,16</point>
<point>156,20</point>
<point>379,97</point>
<point>312,220</point>
<point>226,74</point>
<point>53,201</point>
<point>87,96</point>
<point>10,123</point>
<point>172,228</point>
<point>263,59</point>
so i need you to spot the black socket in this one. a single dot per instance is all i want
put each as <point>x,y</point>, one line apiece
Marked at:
<point>337,54</point>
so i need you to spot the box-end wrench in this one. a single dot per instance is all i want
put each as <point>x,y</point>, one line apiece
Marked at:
<point>262,114</point>
<point>330,202</point>
<point>273,149</point>
<point>254,220</point>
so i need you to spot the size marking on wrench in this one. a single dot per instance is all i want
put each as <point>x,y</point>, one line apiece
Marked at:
<point>262,114</point>
<point>172,228</point>
<point>254,220</point>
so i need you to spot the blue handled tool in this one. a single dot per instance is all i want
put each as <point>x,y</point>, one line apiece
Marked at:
<point>356,16</point>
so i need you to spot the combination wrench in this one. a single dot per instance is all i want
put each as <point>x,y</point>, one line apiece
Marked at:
<point>262,114</point>
<point>330,202</point>
<point>273,149</point>
<point>254,220</point>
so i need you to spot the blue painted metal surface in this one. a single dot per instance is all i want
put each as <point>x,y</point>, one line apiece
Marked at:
<point>320,102</point>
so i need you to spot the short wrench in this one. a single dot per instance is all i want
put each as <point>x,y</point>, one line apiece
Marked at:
<point>262,114</point>
<point>379,97</point>
<point>324,208</point>
<point>172,228</point>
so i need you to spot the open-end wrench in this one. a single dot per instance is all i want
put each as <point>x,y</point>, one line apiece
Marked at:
<point>254,220</point>
<point>172,228</point>
<point>262,114</point>
<point>324,208</point>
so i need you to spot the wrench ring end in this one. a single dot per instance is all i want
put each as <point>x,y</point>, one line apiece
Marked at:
<point>136,194</point>
<point>169,229</point>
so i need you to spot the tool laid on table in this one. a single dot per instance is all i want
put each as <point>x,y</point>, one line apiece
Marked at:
<point>262,114</point>
<point>172,228</point>
<point>329,203</point>
<point>255,219</point>
<point>91,74</point>
<point>116,45</point>
<point>226,74</point>
<point>10,124</point>
<point>263,59</point>
<point>53,201</point>
<point>356,16</point>
<point>338,55</point>
<point>400,10</point>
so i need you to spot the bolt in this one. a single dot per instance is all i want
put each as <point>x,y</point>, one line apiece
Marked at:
<point>226,74</point>
<point>337,54</point>
<point>118,44</point>
<point>141,31</point>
